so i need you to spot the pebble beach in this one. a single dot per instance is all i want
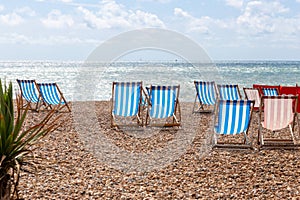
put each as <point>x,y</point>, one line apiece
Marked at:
<point>68,168</point>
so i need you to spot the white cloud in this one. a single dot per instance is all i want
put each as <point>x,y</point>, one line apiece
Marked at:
<point>201,25</point>
<point>235,3</point>
<point>11,19</point>
<point>26,11</point>
<point>92,21</point>
<point>270,22</point>
<point>298,1</point>
<point>64,1</point>
<point>13,38</point>
<point>142,19</point>
<point>16,38</point>
<point>179,12</point>
<point>191,23</point>
<point>56,19</point>
<point>113,15</point>
<point>1,8</point>
<point>261,16</point>
<point>17,16</point>
<point>158,1</point>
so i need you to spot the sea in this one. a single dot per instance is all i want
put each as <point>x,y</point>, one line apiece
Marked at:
<point>83,81</point>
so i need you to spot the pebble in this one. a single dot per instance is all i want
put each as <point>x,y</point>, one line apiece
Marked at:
<point>66,169</point>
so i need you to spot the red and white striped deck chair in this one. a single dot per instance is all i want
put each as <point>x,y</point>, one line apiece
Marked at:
<point>278,112</point>
<point>253,95</point>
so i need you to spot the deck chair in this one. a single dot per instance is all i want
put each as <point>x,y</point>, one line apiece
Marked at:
<point>270,91</point>
<point>229,92</point>
<point>206,95</point>
<point>260,87</point>
<point>277,113</point>
<point>233,117</point>
<point>53,97</point>
<point>253,94</point>
<point>29,91</point>
<point>291,90</point>
<point>126,103</point>
<point>163,104</point>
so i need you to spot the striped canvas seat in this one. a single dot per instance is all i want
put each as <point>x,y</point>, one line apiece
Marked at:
<point>229,92</point>
<point>52,96</point>
<point>270,91</point>
<point>253,94</point>
<point>261,86</point>
<point>206,95</point>
<point>278,112</point>
<point>126,100</point>
<point>29,92</point>
<point>164,104</point>
<point>233,117</point>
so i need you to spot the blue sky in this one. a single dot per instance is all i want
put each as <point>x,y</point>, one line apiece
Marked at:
<point>226,29</point>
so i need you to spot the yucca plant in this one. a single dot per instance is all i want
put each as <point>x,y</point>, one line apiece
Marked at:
<point>16,141</point>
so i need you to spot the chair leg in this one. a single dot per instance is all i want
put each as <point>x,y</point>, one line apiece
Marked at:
<point>298,123</point>
<point>194,105</point>
<point>112,119</point>
<point>258,137</point>
<point>246,139</point>
<point>292,133</point>
<point>147,118</point>
<point>214,139</point>
<point>175,119</point>
<point>138,119</point>
<point>261,138</point>
<point>200,107</point>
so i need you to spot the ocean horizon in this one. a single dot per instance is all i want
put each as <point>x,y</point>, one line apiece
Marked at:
<point>81,81</point>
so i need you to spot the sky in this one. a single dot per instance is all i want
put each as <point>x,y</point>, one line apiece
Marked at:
<point>225,29</point>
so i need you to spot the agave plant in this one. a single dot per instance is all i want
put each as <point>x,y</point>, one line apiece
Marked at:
<point>16,141</point>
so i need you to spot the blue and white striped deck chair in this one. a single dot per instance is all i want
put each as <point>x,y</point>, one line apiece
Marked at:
<point>233,117</point>
<point>229,92</point>
<point>126,102</point>
<point>206,95</point>
<point>164,104</point>
<point>52,96</point>
<point>30,93</point>
<point>270,91</point>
